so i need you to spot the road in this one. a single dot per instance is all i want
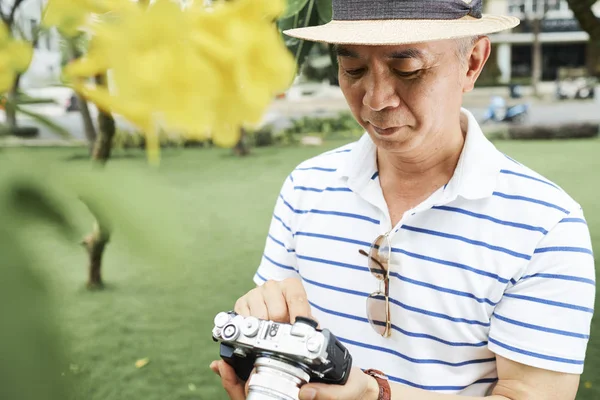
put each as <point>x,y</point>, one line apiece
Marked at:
<point>281,111</point>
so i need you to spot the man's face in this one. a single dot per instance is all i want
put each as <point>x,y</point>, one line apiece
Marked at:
<point>404,96</point>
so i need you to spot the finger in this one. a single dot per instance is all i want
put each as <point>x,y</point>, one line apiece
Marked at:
<point>296,299</point>
<point>275,301</point>
<point>247,385</point>
<point>230,382</point>
<point>241,307</point>
<point>214,366</point>
<point>256,303</point>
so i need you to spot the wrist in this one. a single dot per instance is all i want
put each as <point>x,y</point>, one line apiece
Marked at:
<point>372,389</point>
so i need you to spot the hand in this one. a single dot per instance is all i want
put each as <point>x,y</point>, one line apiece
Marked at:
<point>235,388</point>
<point>360,386</point>
<point>279,301</point>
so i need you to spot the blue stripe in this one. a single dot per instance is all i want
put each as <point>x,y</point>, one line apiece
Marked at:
<point>451,264</point>
<point>394,275</point>
<point>550,302</point>
<point>316,169</point>
<point>336,263</point>
<point>283,223</point>
<point>541,328</point>
<point>339,151</point>
<point>563,277</point>
<point>409,254</point>
<point>438,315</point>
<point>506,171</point>
<point>530,200</point>
<point>513,281</point>
<point>281,244</point>
<point>397,328</point>
<point>578,220</point>
<point>278,264</point>
<point>328,189</point>
<point>291,178</point>
<point>489,218</point>
<point>564,248</point>
<point>336,238</point>
<point>261,277</point>
<point>536,355</point>
<point>467,240</point>
<point>515,161</point>
<point>415,360</point>
<point>436,388</point>
<point>445,290</point>
<point>336,213</point>
<point>410,308</point>
<point>375,175</point>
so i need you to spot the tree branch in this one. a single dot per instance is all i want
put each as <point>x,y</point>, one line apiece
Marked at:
<point>15,7</point>
<point>582,9</point>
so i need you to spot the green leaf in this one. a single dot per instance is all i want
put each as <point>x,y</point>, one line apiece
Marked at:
<point>61,131</point>
<point>308,16</point>
<point>325,10</point>
<point>294,7</point>
<point>31,342</point>
<point>33,201</point>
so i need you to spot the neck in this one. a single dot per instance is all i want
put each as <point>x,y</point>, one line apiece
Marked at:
<point>412,176</point>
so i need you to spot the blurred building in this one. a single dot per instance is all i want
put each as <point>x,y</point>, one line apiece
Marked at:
<point>563,42</point>
<point>45,67</point>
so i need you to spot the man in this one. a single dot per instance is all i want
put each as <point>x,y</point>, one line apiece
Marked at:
<point>438,261</point>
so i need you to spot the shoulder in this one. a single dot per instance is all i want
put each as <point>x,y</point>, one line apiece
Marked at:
<point>536,195</point>
<point>323,168</point>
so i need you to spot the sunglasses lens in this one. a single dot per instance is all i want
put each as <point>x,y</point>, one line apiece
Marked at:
<point>379,257</point>
<point>377,313</point>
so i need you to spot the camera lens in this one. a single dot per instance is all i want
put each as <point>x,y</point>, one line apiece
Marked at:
<point>275,379</point>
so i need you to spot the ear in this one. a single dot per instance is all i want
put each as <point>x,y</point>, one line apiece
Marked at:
<point>476,59</point>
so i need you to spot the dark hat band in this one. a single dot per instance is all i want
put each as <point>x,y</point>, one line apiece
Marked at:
<point>354,10</point>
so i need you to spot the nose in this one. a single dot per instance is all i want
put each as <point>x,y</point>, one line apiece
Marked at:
<point>380,92</point>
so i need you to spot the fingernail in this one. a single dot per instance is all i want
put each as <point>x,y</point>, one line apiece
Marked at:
<point>309,394</point>
<point>212,365</point>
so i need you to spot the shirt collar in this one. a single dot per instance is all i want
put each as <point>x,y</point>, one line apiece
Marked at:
<point>474,177</point>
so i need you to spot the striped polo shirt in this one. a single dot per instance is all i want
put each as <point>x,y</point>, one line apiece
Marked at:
<point>498,261</point>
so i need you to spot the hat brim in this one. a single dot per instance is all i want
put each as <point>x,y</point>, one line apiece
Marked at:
<point>402,31</point>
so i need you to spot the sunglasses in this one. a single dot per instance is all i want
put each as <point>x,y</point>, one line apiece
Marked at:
<point>378,303</point>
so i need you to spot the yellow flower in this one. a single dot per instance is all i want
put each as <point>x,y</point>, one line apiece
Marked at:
<point>194,71</point>
<point>15,56</point>
<point>69,16</point>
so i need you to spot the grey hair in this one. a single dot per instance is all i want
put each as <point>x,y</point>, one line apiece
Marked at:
<point>465,45</point>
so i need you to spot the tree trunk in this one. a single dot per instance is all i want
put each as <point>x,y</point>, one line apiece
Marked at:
<point>106,131</point>
<point>242,148</point>
<point>88,123</point>
<point>582,9</point>
<point>95,243</point>
<point>11,110</point>
<point>536,57</point>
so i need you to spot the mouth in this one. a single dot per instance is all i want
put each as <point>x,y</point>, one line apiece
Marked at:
<point>385,131</point>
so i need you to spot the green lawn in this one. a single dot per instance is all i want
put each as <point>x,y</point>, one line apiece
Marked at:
<point>165,311</point>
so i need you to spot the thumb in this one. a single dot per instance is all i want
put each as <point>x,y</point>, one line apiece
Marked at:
<point>316,391</point>
<point>230,381</point>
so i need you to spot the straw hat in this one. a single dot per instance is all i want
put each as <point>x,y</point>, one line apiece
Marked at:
<point>394,22</point>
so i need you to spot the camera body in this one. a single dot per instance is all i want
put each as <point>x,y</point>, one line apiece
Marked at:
<point>299,350</point>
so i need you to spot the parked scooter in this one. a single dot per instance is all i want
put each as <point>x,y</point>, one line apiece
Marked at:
<point>499,112</point>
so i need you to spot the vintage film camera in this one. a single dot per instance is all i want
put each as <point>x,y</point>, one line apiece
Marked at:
<point>285,356</point>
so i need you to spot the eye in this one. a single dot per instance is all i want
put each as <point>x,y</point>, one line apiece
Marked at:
<point>407,74</point>
<point>354,73</point>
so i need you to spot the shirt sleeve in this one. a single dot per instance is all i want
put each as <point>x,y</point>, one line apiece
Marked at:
<point>543,319</point>
<point>279,258</point>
